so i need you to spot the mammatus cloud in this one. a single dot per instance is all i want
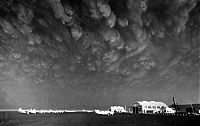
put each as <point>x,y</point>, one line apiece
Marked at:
<point>94,53</point>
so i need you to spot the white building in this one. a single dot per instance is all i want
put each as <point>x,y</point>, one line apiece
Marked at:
<point>150,107</point>
<point>170,110</point>
<point>118,109</point>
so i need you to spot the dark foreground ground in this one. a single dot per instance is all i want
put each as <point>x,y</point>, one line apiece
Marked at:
<point>92,119</point>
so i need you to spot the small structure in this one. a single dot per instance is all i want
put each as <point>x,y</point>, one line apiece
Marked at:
<point>170,110</point>
<point>150,107</point>
<point>117,109</point>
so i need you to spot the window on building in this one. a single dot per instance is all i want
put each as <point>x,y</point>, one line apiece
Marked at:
<point>158,106</point>
<point>154,106</point>
<point>149,106</point>
<point>145,106</point>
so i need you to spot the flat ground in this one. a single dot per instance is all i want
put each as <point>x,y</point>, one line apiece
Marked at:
<point>92,119</point>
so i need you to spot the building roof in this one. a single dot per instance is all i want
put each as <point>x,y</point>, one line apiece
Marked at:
<point>117,107</point>
<point>151,103</point>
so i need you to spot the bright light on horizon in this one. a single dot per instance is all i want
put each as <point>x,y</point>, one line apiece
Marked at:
<point>34,111</point>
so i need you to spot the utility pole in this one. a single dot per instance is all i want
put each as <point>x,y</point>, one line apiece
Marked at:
<point>192,109</point>
<point>174,103</point>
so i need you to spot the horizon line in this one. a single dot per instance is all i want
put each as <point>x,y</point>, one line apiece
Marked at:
<point>8,110</point>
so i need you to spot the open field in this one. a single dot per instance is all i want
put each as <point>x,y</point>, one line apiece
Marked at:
<point>93,119</point>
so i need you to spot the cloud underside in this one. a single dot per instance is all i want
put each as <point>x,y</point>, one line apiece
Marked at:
<point>94,53</point>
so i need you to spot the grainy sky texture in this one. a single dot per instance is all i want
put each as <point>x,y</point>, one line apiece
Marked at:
<point>87,54</point>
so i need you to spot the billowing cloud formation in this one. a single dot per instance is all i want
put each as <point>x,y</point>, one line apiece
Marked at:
<point>94,53</point>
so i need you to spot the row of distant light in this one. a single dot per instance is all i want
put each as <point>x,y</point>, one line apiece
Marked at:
<point>34,111</point>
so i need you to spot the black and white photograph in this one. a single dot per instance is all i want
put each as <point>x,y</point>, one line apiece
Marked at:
<point>99,62</point>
